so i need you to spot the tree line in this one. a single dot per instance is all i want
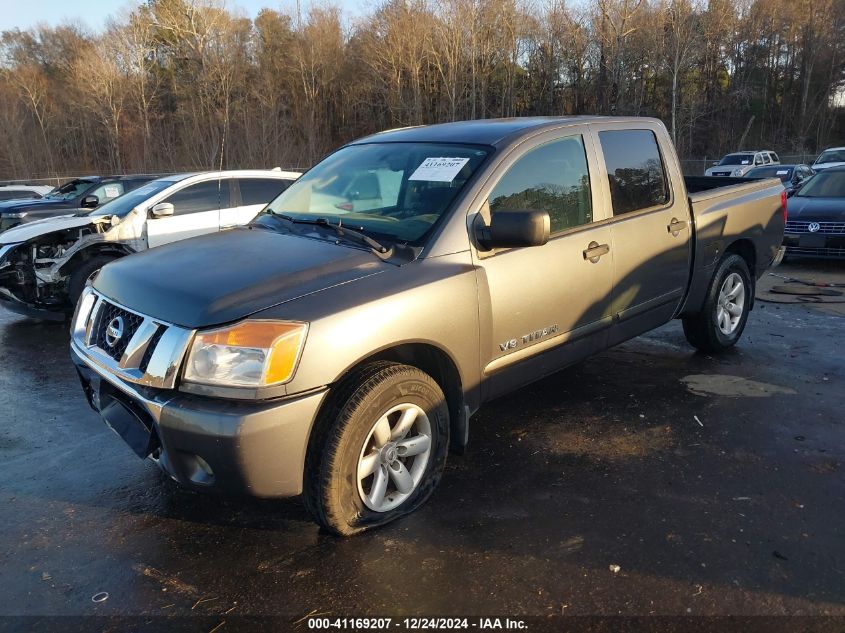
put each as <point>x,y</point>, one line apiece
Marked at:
<point>182,84</point>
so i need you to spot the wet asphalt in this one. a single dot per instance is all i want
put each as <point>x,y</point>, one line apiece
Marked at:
<point>716,484</point>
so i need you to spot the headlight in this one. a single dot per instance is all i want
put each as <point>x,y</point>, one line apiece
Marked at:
<point>249,354</point>
<point>17,216</point>
<point>736,172</point>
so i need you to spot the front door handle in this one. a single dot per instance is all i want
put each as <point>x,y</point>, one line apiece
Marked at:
<point>676,226</point>
<point>594,251</point>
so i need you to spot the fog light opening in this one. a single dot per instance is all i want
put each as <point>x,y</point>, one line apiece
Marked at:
<point>201,471</point>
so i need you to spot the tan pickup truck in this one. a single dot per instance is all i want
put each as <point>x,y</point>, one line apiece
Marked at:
<point>338,345</point>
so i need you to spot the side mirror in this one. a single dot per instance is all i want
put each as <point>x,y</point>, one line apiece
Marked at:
<point>512,229</point>
<point>162,209</point>
<point>90,202</point>
<point>715,163</point>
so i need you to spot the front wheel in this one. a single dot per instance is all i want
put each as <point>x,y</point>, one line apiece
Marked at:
<point>88,269</point>
<point>721,321</point>
<point>379,449</point>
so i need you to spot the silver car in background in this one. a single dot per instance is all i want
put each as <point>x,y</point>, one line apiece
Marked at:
<point>739,164</point>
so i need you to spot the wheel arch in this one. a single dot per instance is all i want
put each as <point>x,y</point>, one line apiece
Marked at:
<point>437,363</point>
<point>95,250</point>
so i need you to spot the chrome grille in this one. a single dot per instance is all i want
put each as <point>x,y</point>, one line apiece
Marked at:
<point>107,315</point>
<point>149,351</point>
<point>827,228</point>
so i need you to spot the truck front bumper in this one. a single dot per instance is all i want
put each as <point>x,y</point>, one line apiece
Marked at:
<point>252,448</point>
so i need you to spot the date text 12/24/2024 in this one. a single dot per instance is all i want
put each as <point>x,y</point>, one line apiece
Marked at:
<point>414,624</point>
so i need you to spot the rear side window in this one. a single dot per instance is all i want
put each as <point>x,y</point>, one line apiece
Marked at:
<point>554,178</point>
<point>261,190</point>
<point>634,170</point>
<point>210,195</point>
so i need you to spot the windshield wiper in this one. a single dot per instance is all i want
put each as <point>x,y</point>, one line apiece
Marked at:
<point>379,249</point>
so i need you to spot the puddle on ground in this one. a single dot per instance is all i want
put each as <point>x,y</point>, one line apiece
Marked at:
<point>734,386</point>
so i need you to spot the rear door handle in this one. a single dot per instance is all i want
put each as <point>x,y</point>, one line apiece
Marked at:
<point>676,226</point>
<point>594,251</point>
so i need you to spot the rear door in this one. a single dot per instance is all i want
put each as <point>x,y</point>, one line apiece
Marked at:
<point>548,305</point>
<point>255,194</point>
<point>196,212</point>
<point>650,227</point>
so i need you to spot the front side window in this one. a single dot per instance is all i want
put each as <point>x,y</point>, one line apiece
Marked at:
<point>553,178</point>
<point>395,191</point>
<point>634,170</point>
<point>210,195</point>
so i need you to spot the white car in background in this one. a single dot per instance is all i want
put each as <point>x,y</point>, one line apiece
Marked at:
<point>740,163</point>
<point>23,192</point>
<point>831,157</point>
<point>45,264</point>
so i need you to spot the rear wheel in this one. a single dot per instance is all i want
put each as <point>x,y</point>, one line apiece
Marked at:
<point>79,277</point>
<point>721,321</point>
<point>379,449</point>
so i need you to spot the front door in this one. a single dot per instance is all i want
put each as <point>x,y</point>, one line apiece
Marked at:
<point>548,305</point>
<point>650,232</point>
<point>196,211</point>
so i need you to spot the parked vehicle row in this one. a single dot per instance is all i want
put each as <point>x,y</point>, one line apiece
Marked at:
<point>337,346</point>
<point>76,195</point>
<point>44,265</point>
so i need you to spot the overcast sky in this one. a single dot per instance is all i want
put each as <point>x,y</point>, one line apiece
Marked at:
<point>23,14</point>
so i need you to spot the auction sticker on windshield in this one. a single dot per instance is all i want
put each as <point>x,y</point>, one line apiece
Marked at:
<point>439,169</point>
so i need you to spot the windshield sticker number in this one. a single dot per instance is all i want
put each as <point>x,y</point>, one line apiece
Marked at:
<point>112,191</point>
<point>439,169</point>
<point>745,162</point>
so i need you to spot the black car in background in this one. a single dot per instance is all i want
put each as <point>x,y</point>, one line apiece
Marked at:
<point>815,223</point>
<point>792,176</point>
<point>80,194</point>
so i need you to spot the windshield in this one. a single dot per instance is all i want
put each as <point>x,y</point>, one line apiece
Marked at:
<point>69,190</point>
<point>124,204</point>
<point>784,173</point>
<point>394,190</point>
<point>827,184</point>
<point>737,159</point>
<point>831,156</point>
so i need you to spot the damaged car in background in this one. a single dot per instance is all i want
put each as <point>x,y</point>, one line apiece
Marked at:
<point>44,265</point>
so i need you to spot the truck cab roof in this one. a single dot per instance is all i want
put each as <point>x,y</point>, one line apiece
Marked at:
<point>496,132</point>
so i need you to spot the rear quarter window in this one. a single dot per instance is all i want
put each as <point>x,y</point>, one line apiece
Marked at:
<point>635,170</point>
<point>261,190</point>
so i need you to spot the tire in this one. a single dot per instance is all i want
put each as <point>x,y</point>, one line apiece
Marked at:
<point>80,276</point>
<point>350,434</point>
<point>722,319</point>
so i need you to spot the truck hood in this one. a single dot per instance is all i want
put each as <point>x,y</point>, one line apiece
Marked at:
<point>14,206</point>
<point>223,277</point>
<point>818,209</point>
<point>37,228</point>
